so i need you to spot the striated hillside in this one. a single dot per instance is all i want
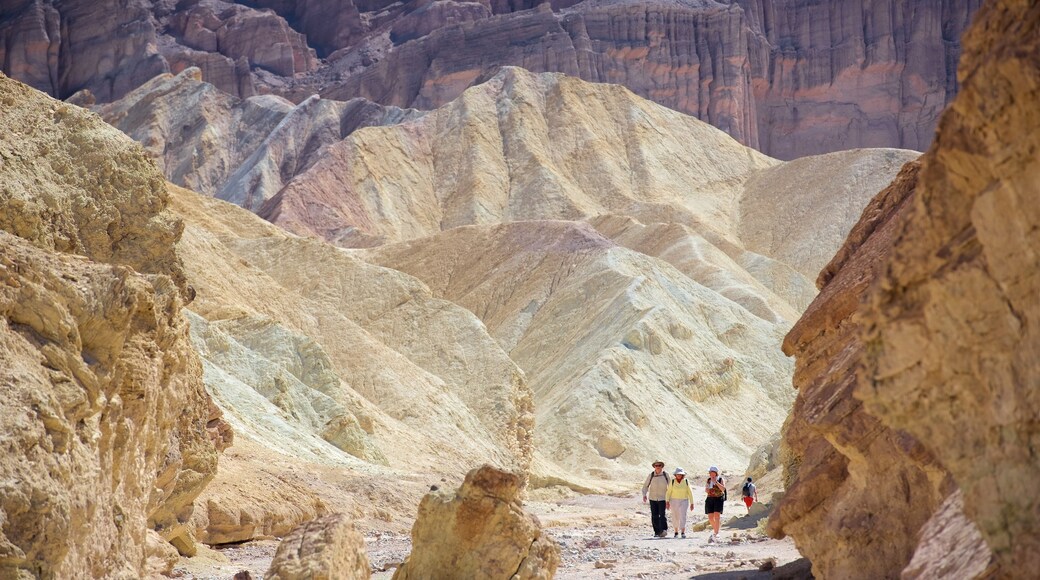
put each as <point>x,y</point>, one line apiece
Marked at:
<point>790,78</point>
<point>107,432</point>
<point>322,359</point>
<point>624,220</point>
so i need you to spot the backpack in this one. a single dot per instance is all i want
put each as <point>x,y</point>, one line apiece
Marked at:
<point>667,480</point>
<point>747,489</point>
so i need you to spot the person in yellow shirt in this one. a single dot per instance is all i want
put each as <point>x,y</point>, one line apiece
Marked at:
<point>679,498</point>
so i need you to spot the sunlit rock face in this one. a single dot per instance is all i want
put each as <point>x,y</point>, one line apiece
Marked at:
<point>108,433</point>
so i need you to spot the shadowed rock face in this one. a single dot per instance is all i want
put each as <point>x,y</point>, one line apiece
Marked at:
<point>790,78</point>
<point>954,323</point>
<point>108,434</point>
<point>917,366</point>
<point>848,476</point>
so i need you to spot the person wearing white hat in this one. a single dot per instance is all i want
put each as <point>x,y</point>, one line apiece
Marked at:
<point>678,498</point>
<point>713,504</point>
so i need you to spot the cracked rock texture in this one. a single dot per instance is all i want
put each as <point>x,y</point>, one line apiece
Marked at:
<point>846,474</point>
<point>788,77</point>
<point>327,548</point>
<point>108,434</point>
<point>479,531</point>
<point>953,326</point>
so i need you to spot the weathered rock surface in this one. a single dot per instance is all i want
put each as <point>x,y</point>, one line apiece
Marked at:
<point>757,70</point>
<point>71,184</point>
<point>950,546</point>
<point>954,323</point>
<point>242,151</point>
<point>104,415</point>
<point>788,77</point>
<point>327,548</point>
<point>479,531</point>
<point>847,476</point>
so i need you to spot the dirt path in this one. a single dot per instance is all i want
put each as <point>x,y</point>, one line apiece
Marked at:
<point>600,537</point>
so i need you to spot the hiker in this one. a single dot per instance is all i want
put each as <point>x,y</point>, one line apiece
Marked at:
<point>678,498</point>
<point>715,487</point>
<point>656,486</point>
<point>750,494</point>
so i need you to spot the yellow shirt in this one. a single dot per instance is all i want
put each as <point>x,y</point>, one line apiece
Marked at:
<point>677,490</point>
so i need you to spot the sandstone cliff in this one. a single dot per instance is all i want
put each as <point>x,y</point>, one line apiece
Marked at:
<point>106,425</point>
<point>790,77</point>
<point>916,364</point>
<point>847,476</point>
<point>953,326</point>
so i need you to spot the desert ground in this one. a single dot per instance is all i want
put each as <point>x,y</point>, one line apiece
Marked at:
<point>600,536</point>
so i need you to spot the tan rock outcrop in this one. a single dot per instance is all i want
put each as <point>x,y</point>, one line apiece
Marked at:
<point>104,416</point>
<point>480,531</point>
<point>953,326</point>
<point>73,184</point>
<point>848,477</point>
<point>327,548</point>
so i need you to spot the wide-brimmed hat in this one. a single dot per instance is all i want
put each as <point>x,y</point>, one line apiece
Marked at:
<point>679,471</point>
<point>713,468</point>
<point>656,463</point>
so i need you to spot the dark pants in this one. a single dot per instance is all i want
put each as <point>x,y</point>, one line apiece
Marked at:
<point>657,517</point>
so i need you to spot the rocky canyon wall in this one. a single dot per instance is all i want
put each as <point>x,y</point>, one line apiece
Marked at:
<point>953,326</point>
<point>108,432</point>
<point>916,364</point>
<point>790,78</point>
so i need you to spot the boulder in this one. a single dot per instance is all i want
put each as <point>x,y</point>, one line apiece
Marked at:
<point>479,531</point>
<point>327,548</point>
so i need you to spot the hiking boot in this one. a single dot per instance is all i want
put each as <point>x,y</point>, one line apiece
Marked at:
<point>676,535</point>
<point>684,535</point>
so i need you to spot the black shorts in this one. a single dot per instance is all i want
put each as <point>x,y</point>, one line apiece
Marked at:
<point>713,505</point>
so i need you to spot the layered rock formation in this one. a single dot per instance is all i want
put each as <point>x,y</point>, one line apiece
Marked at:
<point>916,364</point>
<point>326,548</point>
<point>479,531</point>
<point>663,208</point>
<point>620,349</point>
<point>954,323</point>
<point>847,475</point>
<point>357,367</point>
<point>105,421</point>
<point>788,78</point>
<point>242,151</point>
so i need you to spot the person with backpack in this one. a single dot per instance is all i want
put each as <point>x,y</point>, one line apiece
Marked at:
<point>750,494</point>
<point>678,498</point>
<point>656,487</point>
<point>715,487</point>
